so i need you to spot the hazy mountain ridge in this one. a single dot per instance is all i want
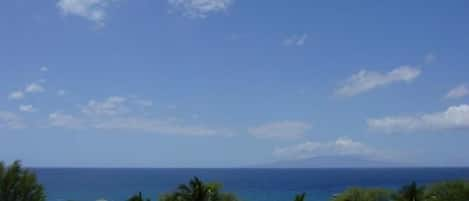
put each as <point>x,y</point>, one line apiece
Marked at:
<point>334,162</point>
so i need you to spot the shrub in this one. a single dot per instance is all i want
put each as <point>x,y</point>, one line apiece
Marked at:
<point>448,191</point>
<point>410,192</point>
<point>19,184</point>
<point>364,194</point>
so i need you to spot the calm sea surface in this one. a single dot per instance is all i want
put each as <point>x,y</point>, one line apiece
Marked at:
<point>249,184</point>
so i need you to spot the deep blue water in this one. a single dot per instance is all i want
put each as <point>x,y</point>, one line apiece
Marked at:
<point>249,184</point>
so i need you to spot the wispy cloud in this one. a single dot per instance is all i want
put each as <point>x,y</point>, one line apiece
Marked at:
<point>159,126</point>
<point>111,106</point>
<point>429,58</point>
<point>134,123</point>
<point>26,108</point>
<point>11,120</point>
<point>30,88</point>
<point>59,119</point>
<point>455,117</point>
<point>200,8</point>
<point>16,95</point>
<point>143,102</point>
<point>44,69</point>
<point>458,92</point>
<point>34,88</point>
<point>281,129</point>
<point>296,40</point>
<point>365,80</point>
<point>61,92</point>
<point>341,146</point>
<point>93,10</point>
<point>118,113</point>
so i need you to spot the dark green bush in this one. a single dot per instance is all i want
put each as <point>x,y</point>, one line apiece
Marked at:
<point>448,191</point>
<point>410,192</point>
<point>364,194</point>
<point>19,184</point>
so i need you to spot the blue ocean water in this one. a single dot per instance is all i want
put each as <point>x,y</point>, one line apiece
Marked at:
<point>250,184</point>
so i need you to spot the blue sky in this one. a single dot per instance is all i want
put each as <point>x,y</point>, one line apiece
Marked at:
<point>228,83</point>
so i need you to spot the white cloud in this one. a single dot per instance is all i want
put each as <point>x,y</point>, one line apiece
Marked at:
<point>44,69</point>
<point>364,80</point>
<point>455,117</point>
<point>118,113</point>
<point>308,149</point>
<point>429,58</point>
<point>59,119</point>
<point>26,108</point>
<point>151,125</point>
<point>31,88</point>
<point>282,129</point>
<point>143,103</point>
<point>34,88</point>
<point>115,113</point>
<point>93,10</point>
<point>134,123</point>
<point>61,92</point>
<point>11,120</point>
<point>200,8</point>
<point>16,95</point>
<point>295,40</point>
<point>458,92</point>
<point>113,105</point>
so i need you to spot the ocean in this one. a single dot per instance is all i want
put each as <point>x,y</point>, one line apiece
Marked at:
<point>63,184</point>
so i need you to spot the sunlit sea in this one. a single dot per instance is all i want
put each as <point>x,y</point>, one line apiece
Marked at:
<point>64,184</point>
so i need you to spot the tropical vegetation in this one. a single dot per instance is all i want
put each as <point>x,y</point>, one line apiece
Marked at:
<point>364,194</point>
<point>300,197</point>
<point>196,190</point>
<point>442,191</point>
<point>138,197</point>
<point>448,191</point>
<point>411,192</point>
<point>19,184</point>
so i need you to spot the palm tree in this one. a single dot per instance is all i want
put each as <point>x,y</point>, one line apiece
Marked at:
<point>18,184</point>
<point>195,191</point>
<point>138,197</point>
<point>300,197</point>
<point>410,192</point>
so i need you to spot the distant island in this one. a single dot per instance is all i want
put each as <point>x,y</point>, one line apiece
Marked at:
<point>333,162</point>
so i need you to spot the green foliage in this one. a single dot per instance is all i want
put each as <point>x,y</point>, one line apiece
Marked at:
<point>196,190</point>
<point>363,194</point>
<point>169,197</point>
<point>411,192</point>
<point>448,191</point>
<point>300,197</point>
<point>228,197</point>
<point>138,197</point>
<point>19,184</point>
